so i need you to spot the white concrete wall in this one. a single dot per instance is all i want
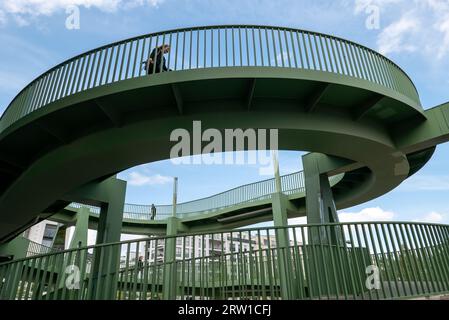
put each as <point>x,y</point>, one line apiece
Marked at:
<point>36,232</point>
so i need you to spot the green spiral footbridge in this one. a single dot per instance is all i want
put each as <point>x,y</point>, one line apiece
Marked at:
<point>68,133</point>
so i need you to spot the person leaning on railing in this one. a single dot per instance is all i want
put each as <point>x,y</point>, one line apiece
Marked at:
<point>156,61</point>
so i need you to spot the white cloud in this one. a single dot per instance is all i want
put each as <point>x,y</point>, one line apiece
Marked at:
<point>361,5</point>
<point>443,27</point>
<point>432,217</point>
<point>368,214</point>
<point>21,10</point>
<point>3,19</point>
<point>425,183</point>
<point>410,26</point>
<point>138,179</point>
<point>395,37</point>
<point>45,7</point>
<point>136,3</point>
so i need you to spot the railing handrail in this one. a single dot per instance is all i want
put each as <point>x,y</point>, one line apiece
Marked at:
<point>236,188</point>
<point>300,174</point>
<point>210,27</point>
<point>231,231</point>
<point>40,247</point>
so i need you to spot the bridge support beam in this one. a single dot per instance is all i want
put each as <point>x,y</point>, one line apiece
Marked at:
<point>79,238</point>
<point>320,205</point>
<point>106,262</point>
<point>15,249</point>
<point>280,205</point>
<point>169,285</point>
<point>325,243</point>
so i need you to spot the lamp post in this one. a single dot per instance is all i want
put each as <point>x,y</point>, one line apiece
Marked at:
<point>175,195</point>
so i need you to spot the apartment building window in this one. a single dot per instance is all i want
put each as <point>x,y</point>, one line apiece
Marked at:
<point>178,252</point>
<point>49,234</point>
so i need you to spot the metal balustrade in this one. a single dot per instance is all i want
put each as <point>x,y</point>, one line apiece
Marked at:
<point>35,248</point>
<point>210,47</point>
<point>261,190</point>
<point>367,260</point>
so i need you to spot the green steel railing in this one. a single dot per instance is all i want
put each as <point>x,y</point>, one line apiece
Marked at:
<point>35,248</point>
<point>372,260</point>
<point>291,184</point>
<point>210,47</point>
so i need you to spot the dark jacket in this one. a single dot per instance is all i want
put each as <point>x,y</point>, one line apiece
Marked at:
<point>153,212</point>
<point>158,60</point>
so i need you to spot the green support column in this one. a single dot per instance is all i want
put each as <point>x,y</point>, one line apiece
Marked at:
<point>17,248</point>
<point>107,259</point>
<point>169,289</point>
<point>325,244</point>
<point>277,175</point>
<point>280,204</point>
<point>79,238</point>
<point>170,272</point>
<point>320,205</point>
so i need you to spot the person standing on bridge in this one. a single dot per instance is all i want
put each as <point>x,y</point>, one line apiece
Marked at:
<point>156,62</point>
<point>153,211</point>
<point>140,266</point>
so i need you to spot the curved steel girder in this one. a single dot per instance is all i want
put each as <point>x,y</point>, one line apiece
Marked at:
<point>170,78</point>
<point>74,162</point>
<point>99,154</point>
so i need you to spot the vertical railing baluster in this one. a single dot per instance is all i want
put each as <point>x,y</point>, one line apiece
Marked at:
<point>381,237</point>
<point>370,244</point>
<point>205,50</point>
<point>142,62</point>
<point>96,65</point>
<point>444,253</point>
<point>281,48</point>
<point>212,47</point>
<point>137,63</point>
<point>117,54</point>
<point>275,55</point>
<point>435,259</point>
<point>219,46</point>
<point>122,60</point>
<point>108,72</point>
<point>156,53</point>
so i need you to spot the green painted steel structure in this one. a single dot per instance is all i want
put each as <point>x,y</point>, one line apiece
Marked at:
<point>293,184</point>
<point>412,260</point>
<point>69,132</point>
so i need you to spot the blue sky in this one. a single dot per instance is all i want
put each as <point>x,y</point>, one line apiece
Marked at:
<point>413,33</point>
